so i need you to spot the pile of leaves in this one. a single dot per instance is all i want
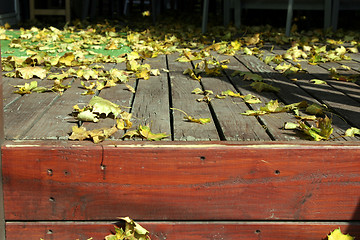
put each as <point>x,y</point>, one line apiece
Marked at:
<point>101,108</point>
<point>132,231</point>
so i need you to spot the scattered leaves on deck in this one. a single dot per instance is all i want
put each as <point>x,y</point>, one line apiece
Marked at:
<point>132,231</point>
<point>191,119</point>
<point>74,54</point>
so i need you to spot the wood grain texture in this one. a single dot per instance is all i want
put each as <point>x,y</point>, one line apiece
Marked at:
<point>234,125</point>
<point>351,89</point>
<point>57,122</point>
<point>182,182</point>
<point>183,230</point>
<point>182,98</point>
<point>292,91</point>
<point>337,101</point>
<point>8,90</point>
<point>271,122</point>
<point>151,105</point>
<point>25,112</point>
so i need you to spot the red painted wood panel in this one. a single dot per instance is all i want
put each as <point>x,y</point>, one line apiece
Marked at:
<point>182,230</point>
<point>182,182</point>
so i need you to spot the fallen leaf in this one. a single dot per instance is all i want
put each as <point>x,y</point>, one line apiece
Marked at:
<point>79,133</point>
<point>67,59</point>
<point>261,86</point>
<point>146,133</point>
<point>103,106</point>
<point>191,119</point>
<point>338,235</point>
<point>291,126</point>
<point>87,116</point>
<point>30,72</point>
<point>99,135</point>
<point>318,81</point>
<point>322,131</point>
<point>254,113</point>
<point>351,132</point>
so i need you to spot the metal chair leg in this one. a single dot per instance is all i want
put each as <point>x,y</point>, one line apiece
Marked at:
<point>237,13</point>
<point>327,14</point>
<point>226,12</point>
<point>205,16</point>
<point>289,17</point>
<point>335,14</point>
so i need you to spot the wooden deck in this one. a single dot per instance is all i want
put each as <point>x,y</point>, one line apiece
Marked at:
<point>47,116</point>
<point>237,177</point>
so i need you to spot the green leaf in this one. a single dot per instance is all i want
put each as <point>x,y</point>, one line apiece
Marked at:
<point>252,76</point>
<point>321,132</point>
<point>315,109</point>
<point>261,86</point>
<point>351,132</point>
<point>251,99</point>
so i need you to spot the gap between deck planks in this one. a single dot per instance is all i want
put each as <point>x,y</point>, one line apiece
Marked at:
<point>48,116</point>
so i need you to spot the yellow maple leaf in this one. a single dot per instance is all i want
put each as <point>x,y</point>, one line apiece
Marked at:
<point>191,119</point>
<point>67,59</point>
<point>79,133</point>
<point>338,235</point>
<point>30,72</point>
<point>261,86</point>
<point>147,134</point>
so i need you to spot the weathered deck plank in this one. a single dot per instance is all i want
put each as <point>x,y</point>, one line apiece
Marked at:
<point>234,126</point>
<point>263,182</point>
<point>299,92</point>
<point>57,122</point>
<point>8,90</point>
<point>151,104</point>
<point>183,99</point>
<point>24,113</point>
<point>272,122</point>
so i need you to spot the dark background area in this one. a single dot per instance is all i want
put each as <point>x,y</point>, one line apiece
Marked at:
<point>186,9</point>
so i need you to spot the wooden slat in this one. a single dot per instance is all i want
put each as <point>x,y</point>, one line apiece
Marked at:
<point>23,114</point>
<point>57,122</point>
<point>274,122</point>
<point>235,127</point>
<point>183,230</point>
<point>151,105</point>
<point>349,88</point>
<point>182,98</point>
<point>182,182</point>
<point>343,105</point>
<point>8,90</point>
<point>295,92</point>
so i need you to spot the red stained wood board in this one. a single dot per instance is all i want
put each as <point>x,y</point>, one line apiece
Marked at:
<point>183,230</point>
<point>181,181</point>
